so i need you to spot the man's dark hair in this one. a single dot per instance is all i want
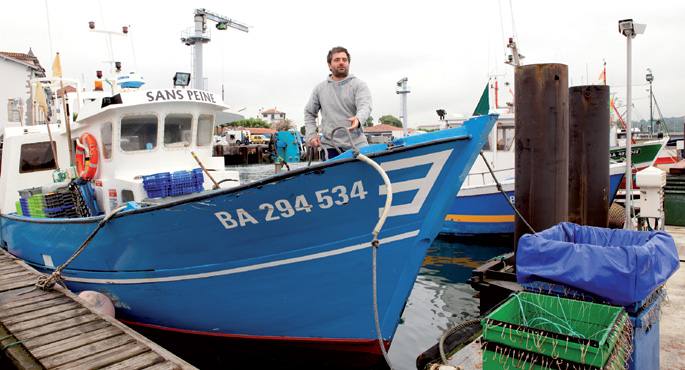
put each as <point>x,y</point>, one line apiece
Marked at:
<point>337,49</point>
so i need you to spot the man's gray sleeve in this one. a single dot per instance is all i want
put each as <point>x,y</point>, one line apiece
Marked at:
<point>311,111</point>
<point>362,100</point>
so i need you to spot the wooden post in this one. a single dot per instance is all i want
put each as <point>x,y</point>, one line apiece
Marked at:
<point>66,122</point>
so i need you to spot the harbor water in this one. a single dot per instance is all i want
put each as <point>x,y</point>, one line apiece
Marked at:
<point>441,296</point>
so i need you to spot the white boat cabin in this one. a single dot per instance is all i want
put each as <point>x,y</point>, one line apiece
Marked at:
<point>138,133</point>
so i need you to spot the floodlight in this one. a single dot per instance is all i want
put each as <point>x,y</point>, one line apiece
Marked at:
<point>182,79</point>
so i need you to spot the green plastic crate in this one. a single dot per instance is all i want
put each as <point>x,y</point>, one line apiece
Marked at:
<point>577,331</point>
<point>495,358</point>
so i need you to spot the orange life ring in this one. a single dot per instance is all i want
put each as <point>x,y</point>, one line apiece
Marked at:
<point>87,156</point>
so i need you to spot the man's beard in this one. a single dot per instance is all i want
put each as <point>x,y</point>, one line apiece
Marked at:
<point>337,73</point>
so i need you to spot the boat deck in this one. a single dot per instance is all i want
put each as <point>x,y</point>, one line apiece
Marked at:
<point>672,322</point>
<point>56,330</point>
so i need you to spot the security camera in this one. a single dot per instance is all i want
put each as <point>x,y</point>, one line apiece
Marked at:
<point>400,82</point>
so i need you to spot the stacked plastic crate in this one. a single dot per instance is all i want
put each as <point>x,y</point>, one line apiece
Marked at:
<point>165,184</point>
<point>54,204</point>
<point>644,316</point>
<point>536,331</point>
<point>157,185</point>
<point>554,263</point>
<point>59,204</point>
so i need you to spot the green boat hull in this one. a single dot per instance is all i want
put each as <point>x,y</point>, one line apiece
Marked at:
<point>643,154</point>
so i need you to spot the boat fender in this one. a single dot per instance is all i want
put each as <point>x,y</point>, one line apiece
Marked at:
<point>87,156</point>
<point>98,302</point>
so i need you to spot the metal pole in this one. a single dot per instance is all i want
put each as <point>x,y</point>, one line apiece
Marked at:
<point>403,91</point>
<point>197,53</point>
<point>628,225</point>
<point>404,114</point>
<point>651,115</point>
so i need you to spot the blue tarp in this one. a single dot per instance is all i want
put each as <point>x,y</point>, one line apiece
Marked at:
<point>621,266</point>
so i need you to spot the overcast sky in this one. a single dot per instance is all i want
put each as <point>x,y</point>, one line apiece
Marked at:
<point>447,49</point>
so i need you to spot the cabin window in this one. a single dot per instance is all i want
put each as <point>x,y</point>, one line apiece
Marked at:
<point>178,130</point>
<point>205,125</point>
<point>505,138</point>
<point>106,134</point>
<point>36,157</point>
<point>138,133</point>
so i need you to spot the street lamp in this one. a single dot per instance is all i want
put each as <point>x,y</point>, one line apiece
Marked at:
<point>403,90</point>
<point>650,78</point>
<point>627,28</point>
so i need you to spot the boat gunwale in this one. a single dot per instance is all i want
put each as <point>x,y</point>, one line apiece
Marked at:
<point>219,192</point>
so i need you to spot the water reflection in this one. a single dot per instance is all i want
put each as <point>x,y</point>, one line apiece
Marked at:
<point>441,297</point>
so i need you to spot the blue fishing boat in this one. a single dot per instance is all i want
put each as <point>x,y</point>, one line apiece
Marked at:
<point>285,259</point>
<point>482,209</point>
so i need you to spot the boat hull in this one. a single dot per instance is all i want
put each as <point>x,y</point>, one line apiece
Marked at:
<point>288,257</point>
<point>483,210</point>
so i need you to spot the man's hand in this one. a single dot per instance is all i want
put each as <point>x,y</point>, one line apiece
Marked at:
<point>315,141</point>
<point>354,123</point>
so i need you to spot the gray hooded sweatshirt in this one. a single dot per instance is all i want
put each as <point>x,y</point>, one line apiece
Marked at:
<point>338,101</point>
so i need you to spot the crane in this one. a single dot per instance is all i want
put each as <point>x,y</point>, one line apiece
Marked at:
<point>199,37</point>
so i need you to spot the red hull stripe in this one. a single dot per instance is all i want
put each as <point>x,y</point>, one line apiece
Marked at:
<point>350,344</point>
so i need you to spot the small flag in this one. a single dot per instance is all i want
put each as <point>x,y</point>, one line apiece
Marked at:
<point>57,67</point>
<point>40,98</point>
<point>603,75</point>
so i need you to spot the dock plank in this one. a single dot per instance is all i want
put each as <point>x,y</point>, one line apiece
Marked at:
<point>18,284</point>
<point>64,334</point>
<point>19,297</point>
<point>6,269</point>
<point>138,362</point>
<point>29,298</point>
<point>55,326</point>
<point>75,342</point>
<point>46,311</point>
<point>34,307</point>
<point>24,325</point>
<point>16,275</point>
<point>85,351</point>
<point>163,366</point>
<point>106,358</point>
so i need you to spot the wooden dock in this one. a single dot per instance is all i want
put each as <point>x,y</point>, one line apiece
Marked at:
<point>56,330</point>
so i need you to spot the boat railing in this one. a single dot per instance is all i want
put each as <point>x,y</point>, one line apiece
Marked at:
<point>485,177</point>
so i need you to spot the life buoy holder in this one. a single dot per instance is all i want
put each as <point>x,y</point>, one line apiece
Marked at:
<point>87,156</point>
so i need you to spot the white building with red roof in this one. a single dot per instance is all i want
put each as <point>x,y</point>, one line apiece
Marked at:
<point>17,69</point>
<point>382,133</point>
<point>272,115</point>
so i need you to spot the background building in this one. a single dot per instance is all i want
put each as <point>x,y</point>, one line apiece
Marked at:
<point>17,70</point>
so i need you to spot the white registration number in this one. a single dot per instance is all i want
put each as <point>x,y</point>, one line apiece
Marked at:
<point>283,208</point>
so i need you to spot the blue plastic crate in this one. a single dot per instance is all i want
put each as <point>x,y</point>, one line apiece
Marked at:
<point>184,182</point>
<point>645,355</point>
<point>157,185</point>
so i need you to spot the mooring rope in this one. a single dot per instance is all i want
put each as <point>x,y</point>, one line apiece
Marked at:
<point>499,187</point>
<point>375,243</point>
<point>47,282</point>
